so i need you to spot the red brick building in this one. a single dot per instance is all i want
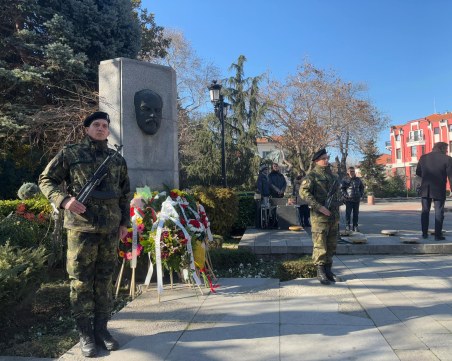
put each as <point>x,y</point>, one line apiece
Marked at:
<point>415,138</point>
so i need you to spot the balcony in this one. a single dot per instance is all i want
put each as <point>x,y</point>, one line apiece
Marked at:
<point>388,145</point>
<point>416,140</point>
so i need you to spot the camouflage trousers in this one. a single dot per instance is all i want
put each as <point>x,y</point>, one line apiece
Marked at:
<point>91,260</point>
<point>324,240</point>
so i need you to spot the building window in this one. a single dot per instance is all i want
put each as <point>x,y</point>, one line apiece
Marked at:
<point>450,127</point>
<point>266,153</point>
<point>436,130</point>
<point>422,149</point>
<point>398,154</point>
<point>414,151</point>
<point>416,135</point>
<point>450,147</point>
<point>397,137</point>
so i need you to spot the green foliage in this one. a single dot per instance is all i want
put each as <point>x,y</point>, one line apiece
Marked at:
<point>223,259</point>
<point>49,56</point>
<point>221,205</point>
<point>372,173</point>
<point>35,205</point>
<point>301,268</point>
<point>247,210</point>
<point>21,271</point>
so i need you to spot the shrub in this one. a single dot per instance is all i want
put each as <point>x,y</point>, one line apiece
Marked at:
<point>221,206</point>
<point>223,259</point>
<point>24,228</point>
<point>21,272</point>
<point>300,268</point>
<point>34,205</point>
<point>247,210</point>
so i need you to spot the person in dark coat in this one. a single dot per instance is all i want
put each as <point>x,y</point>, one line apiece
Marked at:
<point>434,168</point>
<point>277,182</point>
<point>352,189</point>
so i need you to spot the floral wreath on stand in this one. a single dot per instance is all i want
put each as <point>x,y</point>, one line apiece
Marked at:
<point>181,232</point>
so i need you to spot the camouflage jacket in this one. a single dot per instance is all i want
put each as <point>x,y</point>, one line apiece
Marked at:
<point>108,206</point>
<point>315,187</point>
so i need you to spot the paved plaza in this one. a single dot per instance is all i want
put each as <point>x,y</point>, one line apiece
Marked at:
<point>391,307</point>
<point>402,216</point>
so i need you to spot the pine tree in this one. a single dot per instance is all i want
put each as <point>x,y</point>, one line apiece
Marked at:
<point>372,173</point>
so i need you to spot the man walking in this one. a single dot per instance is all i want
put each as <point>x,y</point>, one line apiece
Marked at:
<point>320,189</point>
<point>352,191</point>
<point>434,168</point>
<point>94,227</point>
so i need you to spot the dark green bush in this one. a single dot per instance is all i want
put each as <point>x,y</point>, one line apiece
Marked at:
<point>247,210</point>
<point>300,268</point>
<point>222,206</point>
<point>223,259</point>
<point>21,272</point>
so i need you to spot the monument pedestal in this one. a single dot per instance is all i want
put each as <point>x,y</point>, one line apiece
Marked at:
<point>152,159</point>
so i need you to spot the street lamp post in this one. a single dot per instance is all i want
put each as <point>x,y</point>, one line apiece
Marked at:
<point>221,109</point>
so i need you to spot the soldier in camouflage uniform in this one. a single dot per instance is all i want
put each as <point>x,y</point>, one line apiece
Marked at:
<point>319,184</point>
<point>94,228</point>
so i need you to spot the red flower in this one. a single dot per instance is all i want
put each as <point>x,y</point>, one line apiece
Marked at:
<point>29,216</point>
<point>165,234</point>
<point>21,208</point>
<point>182,221</point>
<point>183,241</point>
<point>194,223</point>
<point>173,195</point>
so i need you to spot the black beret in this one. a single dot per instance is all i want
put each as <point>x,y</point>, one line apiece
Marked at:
<point>96,115</point>
<point>318,154</point>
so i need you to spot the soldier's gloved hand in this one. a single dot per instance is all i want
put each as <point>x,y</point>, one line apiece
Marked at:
<point>324,211</point>
<point>73,205</point>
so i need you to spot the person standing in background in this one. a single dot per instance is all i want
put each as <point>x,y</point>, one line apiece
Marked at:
<point>277,182</point>
<point>434,168</point>
<point>352,191</point>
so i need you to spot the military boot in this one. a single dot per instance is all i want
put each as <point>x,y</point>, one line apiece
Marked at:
<point>87,343</point>
<point>330,275</point>
<point>321,275</point>
<point>103,337</point>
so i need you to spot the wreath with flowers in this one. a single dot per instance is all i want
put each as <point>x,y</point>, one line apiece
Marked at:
<point>173,232</point>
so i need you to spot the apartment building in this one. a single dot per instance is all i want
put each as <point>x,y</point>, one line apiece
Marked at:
<point>411,140</point>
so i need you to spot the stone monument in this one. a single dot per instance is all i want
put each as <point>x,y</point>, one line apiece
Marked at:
<point>141,100</point>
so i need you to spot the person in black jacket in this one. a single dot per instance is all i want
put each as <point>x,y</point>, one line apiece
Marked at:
<point>434,168</point>
<point>352,191</point>
<point>277,182</point>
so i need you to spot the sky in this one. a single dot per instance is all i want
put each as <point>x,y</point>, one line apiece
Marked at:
<point>401,49</point>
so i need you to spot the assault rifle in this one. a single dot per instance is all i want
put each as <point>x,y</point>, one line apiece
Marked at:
<point>331,194</point>
<point>97,177</point>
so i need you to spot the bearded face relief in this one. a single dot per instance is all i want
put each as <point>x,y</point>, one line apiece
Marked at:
<point>148,110</point>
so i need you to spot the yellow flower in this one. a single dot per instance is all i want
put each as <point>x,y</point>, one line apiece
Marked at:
<point>139,220</point>
<point>121,254</point>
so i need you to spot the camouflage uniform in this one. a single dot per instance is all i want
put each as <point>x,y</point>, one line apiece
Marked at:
<point>92,235</point>
<point>314,189</point>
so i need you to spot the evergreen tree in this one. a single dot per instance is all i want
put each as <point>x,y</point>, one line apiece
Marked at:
<point>49,56</point>
<point>242,126</point>
<point>372,173</point>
